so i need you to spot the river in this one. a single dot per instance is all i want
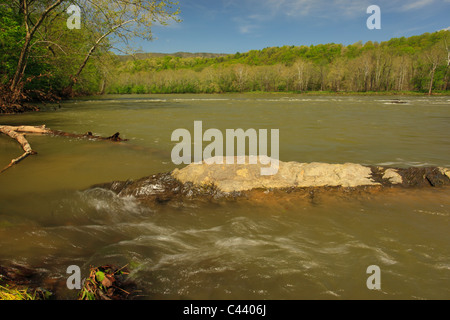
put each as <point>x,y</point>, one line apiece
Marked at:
<point>50,218</point>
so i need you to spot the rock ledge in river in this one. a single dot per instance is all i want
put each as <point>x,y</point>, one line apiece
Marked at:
<point>218,181</point>
<point>247,176</point>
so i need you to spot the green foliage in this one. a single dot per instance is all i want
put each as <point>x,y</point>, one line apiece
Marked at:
<point>11,41</point>
<point>14,292</point>
<point>105,283</point>
<point>55,54</point>
<point>398,64</point>
<point>417,63</point>
<point>40,57</point>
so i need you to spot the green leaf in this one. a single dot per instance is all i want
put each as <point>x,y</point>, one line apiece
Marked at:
<point>99,276</point>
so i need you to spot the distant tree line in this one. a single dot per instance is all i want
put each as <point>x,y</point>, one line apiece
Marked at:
<point>418,63</point>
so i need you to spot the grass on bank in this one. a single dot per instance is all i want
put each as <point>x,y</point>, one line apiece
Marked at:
<point>14,293</point>
<point>106,282</point>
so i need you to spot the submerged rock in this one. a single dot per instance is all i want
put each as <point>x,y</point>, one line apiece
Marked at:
<point>162,188</point>
<point>204,181</point>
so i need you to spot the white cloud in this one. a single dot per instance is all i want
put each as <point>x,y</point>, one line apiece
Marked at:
<point>265,11</point>
<point>330,8</point>
<point>269,9</point>
<point>245,29</point>
<point>247,25</point>
<point>297,8</point>
<point>416,5</point>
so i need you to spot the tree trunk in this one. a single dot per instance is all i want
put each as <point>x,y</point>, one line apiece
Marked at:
<point>24,53</point>
<point>21,65</point>
<point>432,78</point>
<point>102,87</point>
<point>73,80</point>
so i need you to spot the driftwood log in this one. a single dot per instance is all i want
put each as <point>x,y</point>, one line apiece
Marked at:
<point>18,133</point>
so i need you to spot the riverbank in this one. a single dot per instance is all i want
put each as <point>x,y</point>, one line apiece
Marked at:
<point>358,93</point>
<point>19,107</point>
<point>23,283</point>
<point>106,282</point>
<point>34,106</point>
<point>143,91</point>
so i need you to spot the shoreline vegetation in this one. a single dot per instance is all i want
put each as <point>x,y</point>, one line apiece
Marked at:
<point>418,64</point>
<point>107,282</point>
<point>309,93</point>
<point>44,61</point>
<point>299,93</point>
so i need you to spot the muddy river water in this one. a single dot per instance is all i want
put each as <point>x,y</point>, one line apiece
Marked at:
<point>50,218</point>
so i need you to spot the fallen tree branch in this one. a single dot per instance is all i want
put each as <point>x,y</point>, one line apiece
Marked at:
<point>18,133</point>
<point>13,132</point>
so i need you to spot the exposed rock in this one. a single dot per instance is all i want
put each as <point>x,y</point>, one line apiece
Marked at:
<point>161,188</point>
<point>207,182</point>
<point>393,176</point>
<point>241,177</point>
<point>445,171</point>
<point>423,177</point>
<point>397,101</point>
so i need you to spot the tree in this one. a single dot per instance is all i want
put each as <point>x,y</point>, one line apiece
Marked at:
<point>447,48</point>
<point>241,75</point>
<point>435,56</point>
<point>31,26</point>
<point>303,74</point>
<point>125,19</point>
<point>336,74</point>
<point>11,33</point>
<point>398,64</point>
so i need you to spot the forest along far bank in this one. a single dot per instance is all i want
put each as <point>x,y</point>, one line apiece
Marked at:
<point>57,63</point>
<point>418,64</point>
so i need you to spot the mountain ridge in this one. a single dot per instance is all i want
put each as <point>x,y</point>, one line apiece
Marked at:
<point>179,54</point>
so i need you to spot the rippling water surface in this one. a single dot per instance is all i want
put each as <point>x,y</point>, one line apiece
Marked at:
<point>297,249</point>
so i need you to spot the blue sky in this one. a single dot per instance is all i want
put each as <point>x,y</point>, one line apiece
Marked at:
<point>230,26</point>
